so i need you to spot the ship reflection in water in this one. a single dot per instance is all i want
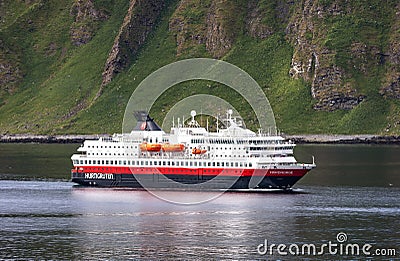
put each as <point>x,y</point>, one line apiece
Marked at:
<point>52,220</point>
<point>234,224</point>
<point>228,227</point>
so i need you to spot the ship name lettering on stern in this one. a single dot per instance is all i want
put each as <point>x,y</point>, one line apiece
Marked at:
<point>283,172</point>
<point>99,176</point>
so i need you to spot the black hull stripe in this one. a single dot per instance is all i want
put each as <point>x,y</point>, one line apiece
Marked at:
<point>181,181</point>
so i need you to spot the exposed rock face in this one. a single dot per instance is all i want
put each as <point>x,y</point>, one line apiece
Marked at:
<point>301,31</point>
<point>391,84</point>
<point>254,22</point>
<point>10,72</point>
<point>362,55</point>
<point>138,23</point>
<point>189,32</point>
<point>219,39</point>
<point>197,22</point>
<point>84,26</point>
<point>264,17</point>
<point>314,62</point>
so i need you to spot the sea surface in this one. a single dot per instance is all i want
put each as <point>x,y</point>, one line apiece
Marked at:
<point>351,198</point>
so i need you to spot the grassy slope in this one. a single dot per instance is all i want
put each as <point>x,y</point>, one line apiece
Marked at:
<point>56,83</point>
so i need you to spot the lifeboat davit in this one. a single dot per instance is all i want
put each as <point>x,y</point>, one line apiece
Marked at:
<point>198,151</point>
<point>150,146</point>
<point>172,147</point>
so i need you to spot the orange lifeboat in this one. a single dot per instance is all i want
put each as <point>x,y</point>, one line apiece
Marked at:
<point>150,146</point>
<point>172,147</point>
<point>198,151</point>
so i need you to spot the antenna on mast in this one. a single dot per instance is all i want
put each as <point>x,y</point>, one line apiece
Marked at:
<point>217,124</point>
<point>193,122</point>
<point>229,116</point>
<point>201,115</point>
<point>193,114</point>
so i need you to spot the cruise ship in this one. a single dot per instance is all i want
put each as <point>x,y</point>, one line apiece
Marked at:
<point>189,157</point>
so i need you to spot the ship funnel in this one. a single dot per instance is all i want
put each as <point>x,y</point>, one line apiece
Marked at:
<point>145,122</point>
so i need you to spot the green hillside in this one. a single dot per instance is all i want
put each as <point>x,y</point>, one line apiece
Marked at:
<point>58,87</point>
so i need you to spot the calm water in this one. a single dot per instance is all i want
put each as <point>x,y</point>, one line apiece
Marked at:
<point>354,190</point>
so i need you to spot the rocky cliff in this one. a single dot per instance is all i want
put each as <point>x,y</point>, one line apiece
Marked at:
<point>332,60</point>
<point>85,24</point>
<point>391,82</point>
<point>188,25</point>
<point>255,25</point>
<point>211,24</point>
<point>306,26</point>
<point>215,24</point>
<point>10,72</point>
<point>314,62</point>
<point>138,23</point>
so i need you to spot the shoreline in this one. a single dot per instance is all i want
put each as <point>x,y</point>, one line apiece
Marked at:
<point>344,139</point>
<point>298,139</point>
<point>33,138</point>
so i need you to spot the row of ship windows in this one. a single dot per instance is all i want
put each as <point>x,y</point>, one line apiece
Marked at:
<point>218,141</point>
<point>254,148</point>
<point>213,141</point>
<point>157,154</point>
<point>110,147</point>
<point>270,148</point>
<point>111,154</point>
<point>251,148</point>
<point>256,142</point>
<point>155,140</point>
<point>219,148</point>
<point>164,163</point>
<point>193,141</point>
<point>230,148</point>
<point>232,155</point>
